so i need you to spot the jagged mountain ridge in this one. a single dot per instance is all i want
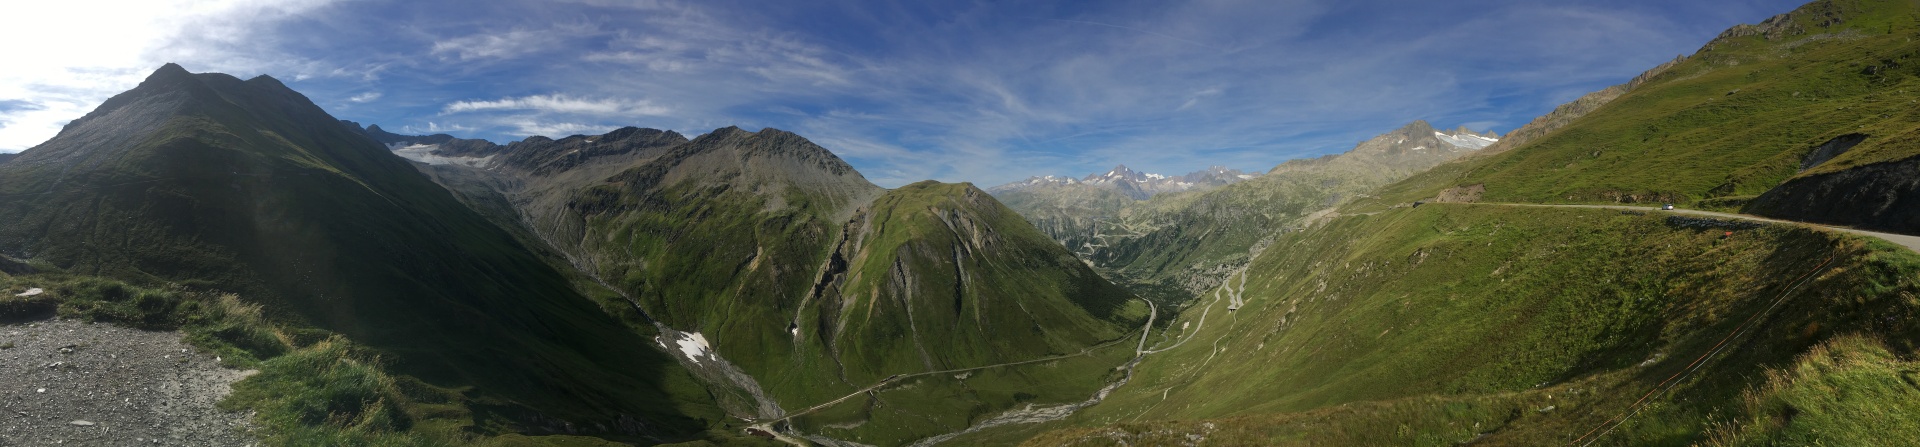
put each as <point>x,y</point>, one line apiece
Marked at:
<point>810,279</point>
<point>246,186</point>
<point>397,140</point>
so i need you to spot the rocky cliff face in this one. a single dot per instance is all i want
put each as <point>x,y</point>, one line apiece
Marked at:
<point>1879,196</point>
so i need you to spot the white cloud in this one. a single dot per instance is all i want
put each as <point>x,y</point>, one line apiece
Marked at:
<point>365,97</point>
<point>650,61</point>
<point>1194,99</point>
<point>433,128</point>
<point>489,45</point>
<point>562,104</point>
<point>558,129</point>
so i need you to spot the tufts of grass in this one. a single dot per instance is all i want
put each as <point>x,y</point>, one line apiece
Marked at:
<point>1851,390</point>
<point>220,323</point>
<point>323,395</point>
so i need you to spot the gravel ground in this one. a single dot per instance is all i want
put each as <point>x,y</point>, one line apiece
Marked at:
<point>65,382</point>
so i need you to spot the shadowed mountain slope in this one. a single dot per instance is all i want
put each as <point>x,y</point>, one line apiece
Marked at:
<point>213,182</point>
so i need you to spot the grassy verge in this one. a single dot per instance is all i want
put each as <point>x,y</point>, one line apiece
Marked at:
<point>1852,390</point>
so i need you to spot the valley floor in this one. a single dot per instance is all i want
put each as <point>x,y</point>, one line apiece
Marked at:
<point>68,382</point>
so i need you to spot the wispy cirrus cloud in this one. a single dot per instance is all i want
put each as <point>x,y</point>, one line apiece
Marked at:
<point>490,45</point>
<point>557,129</point>
<point>433,128</point>
<point>561,104</point>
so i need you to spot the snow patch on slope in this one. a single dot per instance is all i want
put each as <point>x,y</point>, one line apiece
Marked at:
<point>424,153</point>
<point>693,345</point>
<point>1466,141</point>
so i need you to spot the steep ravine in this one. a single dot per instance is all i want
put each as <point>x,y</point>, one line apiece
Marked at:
<point>688,348</point>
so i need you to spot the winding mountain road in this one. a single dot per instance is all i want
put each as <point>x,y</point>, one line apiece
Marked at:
<point>1911,242</point>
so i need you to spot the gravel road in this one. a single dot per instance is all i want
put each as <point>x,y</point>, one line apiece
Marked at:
<point>1910,241</point>
<point>64,382</point>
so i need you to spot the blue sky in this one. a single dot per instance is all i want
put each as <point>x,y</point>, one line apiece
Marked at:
<point>987,92</point>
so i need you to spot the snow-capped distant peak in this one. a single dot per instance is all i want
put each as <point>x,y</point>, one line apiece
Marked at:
<point>1136,184</point>
<point>1465,140</point>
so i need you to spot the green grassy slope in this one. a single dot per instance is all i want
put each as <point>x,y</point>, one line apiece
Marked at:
<point>1731,122</point>
<point>245,186</point>
<point>942,266</point>
<point>1448,323</point>
<point>724,237</point>
<point>817,283</point>
<point>941,277</point>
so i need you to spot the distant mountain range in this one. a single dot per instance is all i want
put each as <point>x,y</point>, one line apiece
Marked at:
<point>1135,184</point>
<point>767,246</point>
<point>1179,236</point>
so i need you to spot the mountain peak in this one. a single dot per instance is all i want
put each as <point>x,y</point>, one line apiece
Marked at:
<point>267,80</point>
<point>1418,127</point>
<point>169,77</point>
<point>170,70</point>
<point>169,89</point>
<point>729,132</point>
